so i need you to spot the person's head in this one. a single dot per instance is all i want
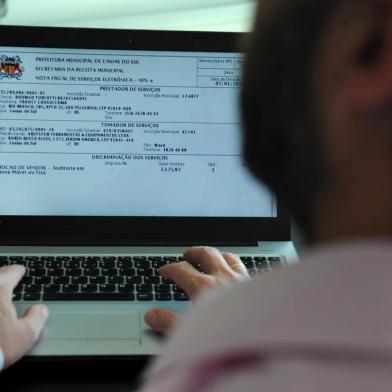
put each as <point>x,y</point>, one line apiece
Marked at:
<point>317,109</point>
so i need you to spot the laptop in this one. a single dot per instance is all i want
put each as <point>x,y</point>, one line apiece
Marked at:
<point>118,150</point>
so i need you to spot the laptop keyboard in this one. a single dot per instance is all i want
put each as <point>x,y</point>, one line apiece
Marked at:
<point>107,278</point>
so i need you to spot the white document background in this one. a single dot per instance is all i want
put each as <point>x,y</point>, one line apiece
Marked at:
<point>110,133</point>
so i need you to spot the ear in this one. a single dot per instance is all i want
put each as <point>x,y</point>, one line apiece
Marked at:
<point>368,88</point>
<point>353,89</point>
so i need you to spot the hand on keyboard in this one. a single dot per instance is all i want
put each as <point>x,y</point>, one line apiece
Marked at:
<point>17,336</point>
<point>203,268</point>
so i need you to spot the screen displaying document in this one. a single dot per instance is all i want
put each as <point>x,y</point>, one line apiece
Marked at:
<point>124,133</point>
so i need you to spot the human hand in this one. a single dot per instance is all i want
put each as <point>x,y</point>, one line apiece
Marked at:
<point>17,336</point>
<point>220,268</point>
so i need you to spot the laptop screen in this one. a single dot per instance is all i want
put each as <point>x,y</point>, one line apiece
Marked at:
<point>124,133</point>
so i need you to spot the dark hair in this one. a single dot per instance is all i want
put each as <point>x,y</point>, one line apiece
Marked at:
<point>282,146</point>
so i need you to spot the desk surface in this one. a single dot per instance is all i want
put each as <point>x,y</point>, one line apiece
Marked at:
<point>72,376</point>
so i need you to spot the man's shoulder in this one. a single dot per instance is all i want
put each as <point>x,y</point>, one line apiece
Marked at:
<point>337,295</point>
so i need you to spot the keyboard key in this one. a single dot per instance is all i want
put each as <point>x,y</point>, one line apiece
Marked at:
<point>116,279</point>
<point>27,280</point>
<point>109,271</point>
<point>55,272</point>
<point>97,279</point>
<point>155,258</point>
<point>78,258</point>
<point>72,264</point>
<point>51,288</point>
<point>54,264</point>
<point>249,264</point>
<point>109,258</point>
<point>17,297</point>
<point>274,258</point>
<point>36,264</point>
<point>170,258</point>
<point>107,288</point>
<point>88,297</point>
<point>31,296</point>
<point>180,297</point>
<point>91,271</point>
<point>162,288</point>
<point>139,258</point>
<point>63,258</point>
<point>125,288</point>
<point>107,264</point>
<point>124,264</point>
<point>32,288</point>
<point>144,288</point>
<point>18,262</point>
<point>144,271</point>
<point>18,288</point>
<point>127,271</point>
<point>61,279</point>
<point>260,259</point>
<point>70,288</point>
<point>89,288</point>
<point>37,271</point>
<point>16,258</point>
<point>178,289</point>
<point>144,297</point>
<point>152,279</point>
<point>80,279</point>
<point>89,264</point>
<point>163,297</point>
<point>133,279</point>
<point>93,258</point>
<point>245,258</point>
<point>142,264</point>
<point>47,258</point>
<point>31,258</point>
<point>3,263</point>
<point>73,272</point>
<point>158,264</point>
<point>124,258</point>
<point>42,279</point>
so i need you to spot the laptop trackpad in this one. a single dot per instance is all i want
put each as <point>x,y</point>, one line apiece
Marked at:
<point>93,325</point>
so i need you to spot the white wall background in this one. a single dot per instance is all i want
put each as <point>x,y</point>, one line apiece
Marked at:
<point>216,15</point>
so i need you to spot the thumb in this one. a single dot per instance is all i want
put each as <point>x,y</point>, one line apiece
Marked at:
<point>33,322</point>
<point>28,331</point>
<point>161,320</point>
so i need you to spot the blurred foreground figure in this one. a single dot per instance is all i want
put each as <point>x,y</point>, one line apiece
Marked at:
<point>317,99</point>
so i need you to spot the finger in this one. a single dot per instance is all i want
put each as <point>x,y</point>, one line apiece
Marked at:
<point>187,277</point>
<point>33,322</point>
<point>10,277</point>
<point>161,320</point>
<point>235,263</point>
<point>210,259</point>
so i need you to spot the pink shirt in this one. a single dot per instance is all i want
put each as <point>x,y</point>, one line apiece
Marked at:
<point>322,325</point>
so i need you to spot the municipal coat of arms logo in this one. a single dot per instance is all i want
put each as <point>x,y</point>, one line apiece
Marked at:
<point>11,67</point>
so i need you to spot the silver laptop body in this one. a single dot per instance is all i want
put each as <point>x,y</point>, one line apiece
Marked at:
<point>118,150</point>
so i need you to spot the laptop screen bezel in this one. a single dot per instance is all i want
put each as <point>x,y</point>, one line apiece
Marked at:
<point>103,230</point>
